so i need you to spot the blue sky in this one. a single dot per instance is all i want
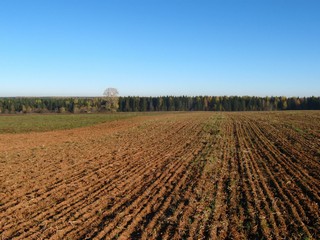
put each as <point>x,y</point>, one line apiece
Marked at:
<point>159,47</point>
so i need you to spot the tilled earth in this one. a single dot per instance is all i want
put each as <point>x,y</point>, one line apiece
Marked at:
<point>171,176</point>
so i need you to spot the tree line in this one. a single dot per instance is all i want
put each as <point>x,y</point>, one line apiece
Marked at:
<point>145,104</point>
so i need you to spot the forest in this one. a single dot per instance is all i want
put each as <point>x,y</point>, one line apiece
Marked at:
<point>14,105</point>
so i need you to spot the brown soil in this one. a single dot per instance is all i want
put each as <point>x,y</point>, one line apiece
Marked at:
<point>171,176</point>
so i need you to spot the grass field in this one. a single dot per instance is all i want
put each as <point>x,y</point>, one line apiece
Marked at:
<point>42,122</point>
<point>197,175</point>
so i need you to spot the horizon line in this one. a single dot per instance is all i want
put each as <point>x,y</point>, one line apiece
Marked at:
<point>75,96</point>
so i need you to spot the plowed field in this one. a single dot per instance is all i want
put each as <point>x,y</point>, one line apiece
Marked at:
<point>170,176</point>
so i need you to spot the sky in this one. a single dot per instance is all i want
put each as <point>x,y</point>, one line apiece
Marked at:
<point>160,47</point>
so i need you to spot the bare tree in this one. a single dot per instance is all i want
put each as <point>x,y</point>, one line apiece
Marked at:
<point>111,92</point>
<point>112,99</point>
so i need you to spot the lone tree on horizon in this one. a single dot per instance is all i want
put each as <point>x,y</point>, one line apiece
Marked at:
<point>112,99</point>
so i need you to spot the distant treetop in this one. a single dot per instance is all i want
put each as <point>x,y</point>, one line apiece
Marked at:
<point>111,92</point>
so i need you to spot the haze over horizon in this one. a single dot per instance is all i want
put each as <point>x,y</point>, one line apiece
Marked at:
<point>156,48</point>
